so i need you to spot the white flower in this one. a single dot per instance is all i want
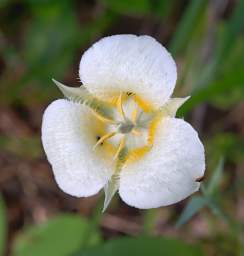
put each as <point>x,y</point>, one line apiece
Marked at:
<point>118,131</point>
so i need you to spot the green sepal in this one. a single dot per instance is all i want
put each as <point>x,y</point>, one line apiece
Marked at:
<point>110,189</point>
<point>113,184</point>
<point>172,105</point>
<point>82,96</point>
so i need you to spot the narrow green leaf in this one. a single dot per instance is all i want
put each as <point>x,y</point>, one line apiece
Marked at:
<point>233,27</point>
<point>225,43</point>
<point>216,178</point>
<point>3,227</point>
<point>187,25</point>
<point>149,221</point>
<point>225,84</point>
<point>195,204</point>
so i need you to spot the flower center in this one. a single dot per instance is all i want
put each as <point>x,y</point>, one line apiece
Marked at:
<point>125,124</point>
<point>130,133</point>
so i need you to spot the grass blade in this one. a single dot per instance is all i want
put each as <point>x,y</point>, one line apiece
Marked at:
<point>194,205</point>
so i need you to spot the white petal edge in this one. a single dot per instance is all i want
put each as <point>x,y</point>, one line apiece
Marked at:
<point>168,173</point>
<point>67,141</point>
<point>129,63</point>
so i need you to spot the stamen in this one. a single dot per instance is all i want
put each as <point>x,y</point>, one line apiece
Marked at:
<point>144,117</point>
<point>120,106</point>
<point>146,106</point>
<point>134,115</point>
<point>103,138</point>
<point>103,119</point>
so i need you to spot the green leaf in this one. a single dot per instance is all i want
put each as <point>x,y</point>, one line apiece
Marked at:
<point>188,25</point>
<point>162,9</point>
<point>51,39</point>
<point>224,85</point>
<point>3,226</point>
<point>195,204</point>
<point>233,27</point>
<point>143,246</point>
<point>60,236</point>
<point>216,178</point>
<point>149,221</point>
<point>3,3</point>
<point>228,144</point>
<point>129,7</point>
<point>225,43</point>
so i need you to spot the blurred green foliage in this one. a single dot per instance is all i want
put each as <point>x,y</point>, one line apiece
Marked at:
<point>143,246</point>
<point>3,227</point>
<point>60,236</point>
<point>44,39</point>
<point>196,203</point>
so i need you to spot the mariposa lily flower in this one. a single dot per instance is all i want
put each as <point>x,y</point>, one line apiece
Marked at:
<point>118,131</point>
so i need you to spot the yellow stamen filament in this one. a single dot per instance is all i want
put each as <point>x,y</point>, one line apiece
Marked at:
<point>121,146</point>
<point>120,106</point>
<point>113,100</point>
<point>143,104</point>
<point>103,138</point>
<point>103,119</point>
<point>134,115</point>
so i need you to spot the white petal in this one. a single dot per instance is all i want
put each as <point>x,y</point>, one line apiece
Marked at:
<point>168,173</point>
<point>67,139</point>
<point>129,63</point>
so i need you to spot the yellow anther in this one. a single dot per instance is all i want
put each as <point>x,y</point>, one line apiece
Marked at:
<point>121,146</point>
<point>103,138</point>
